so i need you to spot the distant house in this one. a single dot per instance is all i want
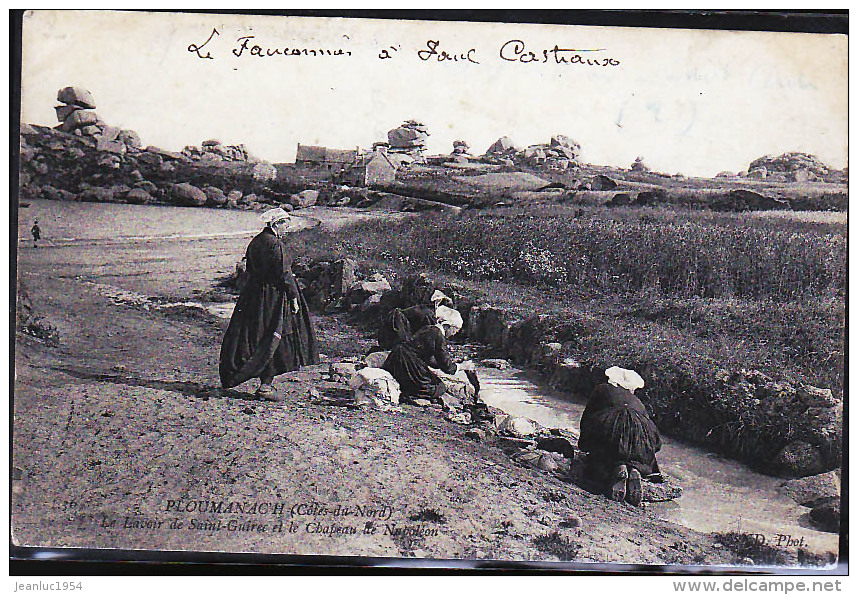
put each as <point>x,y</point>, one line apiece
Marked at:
<point>375,169</point>
<point>333,160</point>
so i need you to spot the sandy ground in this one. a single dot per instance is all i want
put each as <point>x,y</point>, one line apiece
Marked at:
<point>122,438</point>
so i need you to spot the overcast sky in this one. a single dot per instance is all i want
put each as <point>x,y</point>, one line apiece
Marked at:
<point>696,102</point>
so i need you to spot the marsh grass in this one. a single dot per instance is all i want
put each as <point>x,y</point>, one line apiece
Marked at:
<point>684,289</point>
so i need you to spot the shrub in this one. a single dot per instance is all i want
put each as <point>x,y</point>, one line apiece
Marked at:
<point>749,546</point>
<point>554,544</point>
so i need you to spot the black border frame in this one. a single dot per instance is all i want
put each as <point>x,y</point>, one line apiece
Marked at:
<point>31,561</point>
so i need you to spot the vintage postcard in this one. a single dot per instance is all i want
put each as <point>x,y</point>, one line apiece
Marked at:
<point>415,291</point>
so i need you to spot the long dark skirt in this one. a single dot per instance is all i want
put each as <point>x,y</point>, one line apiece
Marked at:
<point>415,379</point>
<point>622,436</point>
<point>264,338</point>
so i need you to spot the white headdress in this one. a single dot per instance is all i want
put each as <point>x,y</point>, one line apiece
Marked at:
<point>628,379</point>
<point>450,318</point>
<point>274,215</point>
<point>438,296</point>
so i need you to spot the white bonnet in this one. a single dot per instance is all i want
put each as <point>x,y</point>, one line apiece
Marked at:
<point>438,296</point>
<point>449,317</point>
<point>628,379</point>
<point>274,215</point>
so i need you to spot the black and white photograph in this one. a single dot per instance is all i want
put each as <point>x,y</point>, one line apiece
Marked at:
<point>429,293</point>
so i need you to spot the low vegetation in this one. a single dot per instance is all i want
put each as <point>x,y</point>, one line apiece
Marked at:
<point>555,544</point>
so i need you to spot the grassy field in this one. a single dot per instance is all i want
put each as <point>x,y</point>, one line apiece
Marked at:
<point>684,288</point>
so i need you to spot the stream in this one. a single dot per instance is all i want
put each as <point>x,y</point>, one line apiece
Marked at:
<point>719,494</point>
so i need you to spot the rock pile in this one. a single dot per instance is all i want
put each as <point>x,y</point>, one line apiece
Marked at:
<point>793,166</point>
<point>503,147</point>
<point>214,151</point>
<point>560,153</point>
<point>58,165</point>
<point>409,138</point>
<point>639,165</point>
<point>84,159</point>
<point>461,152</point>
<point>340,286</point>
<point>77,115</point>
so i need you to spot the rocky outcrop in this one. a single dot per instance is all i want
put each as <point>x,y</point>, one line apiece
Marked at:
<point>305,198</point>
<point>75,97</point>
<point>410,138</point>
<point>111,167</point>
<point>639,165</point>
<point>77,116</point>
<point>214,196</point>
<point>810,491</point>
<point>341,285</point>
<point>560,153</point>
<point>213,151</point>
<point>826,515</point>
<point>461,152</point>
<point>187,195</point>
<point>502,147</point>
<point>793,163</point>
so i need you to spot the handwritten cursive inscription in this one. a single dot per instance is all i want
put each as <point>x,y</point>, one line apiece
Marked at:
<point>246,44</point>
<point>515,50</point>
<point>432,53</point>
<point>194,48</point>
<point>385,55</point>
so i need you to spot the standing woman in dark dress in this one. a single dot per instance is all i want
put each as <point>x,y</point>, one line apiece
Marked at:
<point>270,332</point>
<point>620,438</point>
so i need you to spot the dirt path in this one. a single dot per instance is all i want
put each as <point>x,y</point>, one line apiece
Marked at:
<point>123,439</point>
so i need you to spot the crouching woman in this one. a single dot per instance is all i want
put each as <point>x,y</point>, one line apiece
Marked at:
<point>620,438</point>
<point>409,362</point>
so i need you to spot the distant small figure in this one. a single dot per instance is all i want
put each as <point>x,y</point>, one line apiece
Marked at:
<point>37,232</point>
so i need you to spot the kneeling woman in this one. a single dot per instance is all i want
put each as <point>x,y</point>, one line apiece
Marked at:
<point>400,324</point>
<point>409,362</point>
<point>620,438</point>
<point>270,331</point>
